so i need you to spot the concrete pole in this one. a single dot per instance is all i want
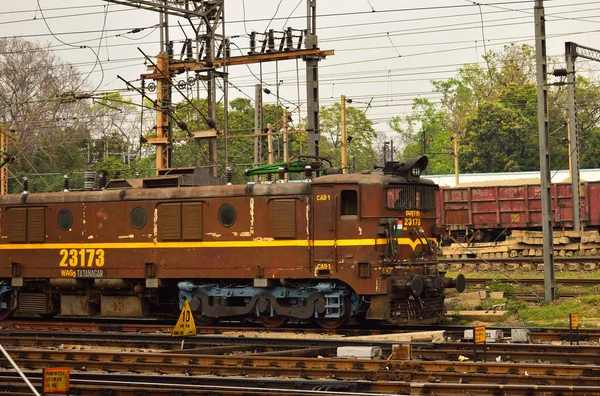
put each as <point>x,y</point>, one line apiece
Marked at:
<point>312,80</point>
<point>343,133</point>
<point>455,158</point>
<point>4,169</point>
<point>257,125</point>
<point>270,143</point>
<point>573,136</point>
<point>286,153</point>
<point>542,102</point>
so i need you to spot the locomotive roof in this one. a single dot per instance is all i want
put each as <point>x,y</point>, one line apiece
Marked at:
<point>212,191</point>
<point>368,178</point>
<point>275,189</point>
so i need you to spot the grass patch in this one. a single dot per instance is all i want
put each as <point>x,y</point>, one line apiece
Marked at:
<point>555,314</point>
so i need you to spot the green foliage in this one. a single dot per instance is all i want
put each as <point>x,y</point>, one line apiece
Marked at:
<point>493,113</point>
<point>498,286</point>
<point>360,136</point>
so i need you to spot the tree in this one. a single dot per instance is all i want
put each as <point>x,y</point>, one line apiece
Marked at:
<point>114,128</point>
<point>38,102</point>
<point>493,113</point>
<point>360,137</point>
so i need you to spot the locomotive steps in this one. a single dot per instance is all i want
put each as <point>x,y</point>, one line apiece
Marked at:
<point>523,243</point>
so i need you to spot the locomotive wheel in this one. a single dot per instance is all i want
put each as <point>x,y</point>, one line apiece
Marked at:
<point>8,311</point>
<point>336,323</point>
<point>272,322</point>
<point>203,320</point>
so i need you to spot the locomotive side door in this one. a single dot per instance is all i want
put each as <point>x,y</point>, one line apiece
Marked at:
<point>323,228</point>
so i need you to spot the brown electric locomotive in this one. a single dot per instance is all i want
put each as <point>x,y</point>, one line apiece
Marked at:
<point>336,247</point>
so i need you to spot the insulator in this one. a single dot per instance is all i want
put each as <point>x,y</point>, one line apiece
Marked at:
<point>308,172</point>
<point>289,40</point>
<point>271,39</point>
<point>25,185</point>
<point>90,180</point>
<point>227,49</point>
<point>65,183</point>
<point>102,180</point>
<point>281,172</point>
<point>229,175</point>
<point>252,43</point>
<point>560,72</point>
<point>190,52</point>
<point>270,177</point>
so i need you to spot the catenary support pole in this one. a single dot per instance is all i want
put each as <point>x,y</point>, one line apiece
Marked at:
<point>343,134</point>
<point>542,104</point>
<point>573,136</point>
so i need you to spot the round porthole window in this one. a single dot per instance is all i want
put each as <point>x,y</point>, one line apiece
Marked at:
<point>65,219</point>
<point>227,215</point>
<point>138,217</point>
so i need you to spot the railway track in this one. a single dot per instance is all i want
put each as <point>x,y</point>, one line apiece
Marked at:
<point>333,374</point>
<point>519,264</point>
<point>130,334</point>
<point>157,364</point>
<point>289,347</point>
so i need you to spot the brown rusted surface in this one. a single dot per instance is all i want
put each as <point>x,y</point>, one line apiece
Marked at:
<point>358,229</point>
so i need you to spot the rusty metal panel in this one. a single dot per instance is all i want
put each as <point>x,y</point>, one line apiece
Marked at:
<point>323,227</point>
<point>455,203</point>
<point>191,221</point>
<point>71,305</point>
<point>592,203</point>
<point>169,222</point>
<point>32,303</point>
<point>123,306</point>
<point>18,225</point>
<point>284,218</point>
<point>36,230</point>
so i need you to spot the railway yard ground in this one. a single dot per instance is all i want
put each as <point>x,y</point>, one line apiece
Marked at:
<point>529,348</point>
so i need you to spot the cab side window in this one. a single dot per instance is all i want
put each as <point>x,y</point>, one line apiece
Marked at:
<point>349,205</point>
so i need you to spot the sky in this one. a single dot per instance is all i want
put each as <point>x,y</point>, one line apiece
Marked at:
<point>386,53</point>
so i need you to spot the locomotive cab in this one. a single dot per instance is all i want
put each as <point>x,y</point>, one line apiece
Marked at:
<point>375,232</point>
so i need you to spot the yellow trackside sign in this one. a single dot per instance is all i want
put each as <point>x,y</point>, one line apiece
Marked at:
<point>56,380</point>
<point>574,320</point>
<point>479,334</point>
<point>185,325</point>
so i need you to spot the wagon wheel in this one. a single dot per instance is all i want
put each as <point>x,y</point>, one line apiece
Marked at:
<point>336,323</point>
<point>272,322</point>
<point>7,312</point>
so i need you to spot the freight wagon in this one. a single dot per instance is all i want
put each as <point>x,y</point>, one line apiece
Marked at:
<point>488,212</point>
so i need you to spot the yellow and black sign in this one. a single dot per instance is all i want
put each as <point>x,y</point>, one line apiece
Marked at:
<point>185,325</point>
<point>479,334</point>
<point>574,320</point>
<point>56,380</point>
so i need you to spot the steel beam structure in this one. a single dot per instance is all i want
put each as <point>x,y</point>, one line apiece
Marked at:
<point>312,79</point>
<point>572,51</point>
<point>206,18</point>
<point>180,8</point>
